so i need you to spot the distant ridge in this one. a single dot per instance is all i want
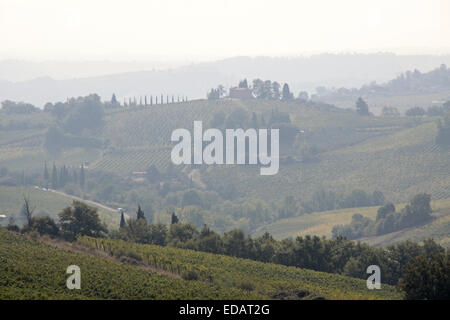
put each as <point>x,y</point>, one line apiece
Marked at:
<point>302,73</point>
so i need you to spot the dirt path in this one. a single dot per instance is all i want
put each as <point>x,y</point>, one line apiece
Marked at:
<point>86,201</point>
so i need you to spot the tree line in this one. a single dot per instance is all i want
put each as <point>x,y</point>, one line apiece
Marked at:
<point>417,212</point>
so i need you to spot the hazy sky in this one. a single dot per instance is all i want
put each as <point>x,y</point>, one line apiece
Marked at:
<point>209,29</point>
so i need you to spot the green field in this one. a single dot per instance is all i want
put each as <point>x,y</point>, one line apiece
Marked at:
<point>321,223</point>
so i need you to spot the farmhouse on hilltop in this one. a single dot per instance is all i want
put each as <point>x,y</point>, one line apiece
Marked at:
<point>241,93</point>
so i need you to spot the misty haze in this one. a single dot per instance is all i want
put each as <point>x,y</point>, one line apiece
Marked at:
<point>224,150</point>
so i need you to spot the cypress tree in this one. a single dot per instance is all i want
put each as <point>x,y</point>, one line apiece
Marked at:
<point>46,175</point>
<point>54,177</point>
<point>174,218</point>
<point>82,177</point>
<point>140,213</point>
<point>122,220</point>
<point>61,177</point>
<point>113,99</point>
<point>75,176</point>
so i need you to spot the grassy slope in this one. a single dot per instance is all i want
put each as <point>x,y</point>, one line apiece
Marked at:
<point>46,202</point>
<point>321,223</point>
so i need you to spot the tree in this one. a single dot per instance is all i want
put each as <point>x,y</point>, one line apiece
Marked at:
<point>81,220</point>
<point>27,211</point>
<point>384,211</point>
<point>46,174</point>
<point>54,177</point>
<point>443,136</point>
<point>243,84</point>
<point>415,112</point>
<point>362,108</point>
<point>286,94</point>
<point>113,99</point>
<point>84,113</point>
<point>45,225</point>
<point>138,231</point>
<point>174,218</point>
<point>82,176</point>
<point>191,198</point>
<point>427,278</point>
<point>303,95</point>
<point>122,220</point>
<point>180,233</point>
<point>140,213</point>
<point>275,90</point>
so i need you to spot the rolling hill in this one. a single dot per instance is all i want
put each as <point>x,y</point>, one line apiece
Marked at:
<point>111,269</point>
<point>395,155</point>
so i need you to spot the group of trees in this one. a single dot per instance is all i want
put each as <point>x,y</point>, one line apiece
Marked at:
<point>217,93</point>
<point>78,114</point>
<point>59,178</point>
<point>311,252</point>
<point>433,111</point>
<point>266,89</point>
<point>261,89</point>
<point>146,101</point>
<point>410,82</point>
<point>323,200</point>
<point>443,136</point>
<point>11,107</point>
<point>76,220</point>
<point>76,123</point>
<point>362,108</point>
<point>417,212</point>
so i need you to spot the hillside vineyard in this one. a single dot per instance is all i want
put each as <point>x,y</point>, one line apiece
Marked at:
<point>213,152</point>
